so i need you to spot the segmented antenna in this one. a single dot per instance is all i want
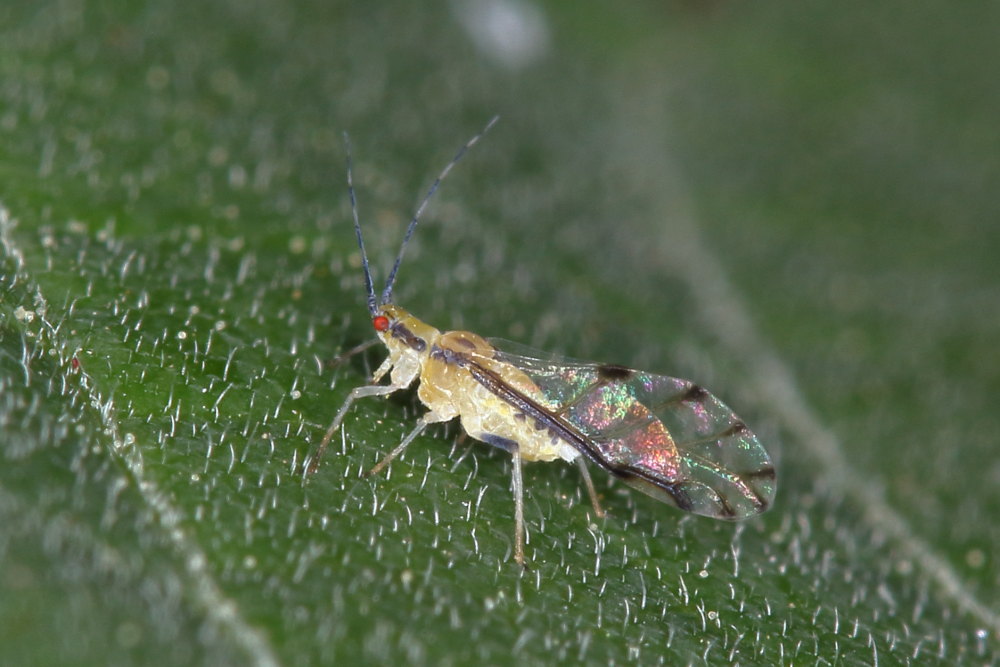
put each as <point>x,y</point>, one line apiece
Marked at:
<point>387,292</point>
<point>372,306</point>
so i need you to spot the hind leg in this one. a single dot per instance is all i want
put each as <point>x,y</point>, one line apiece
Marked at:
<point>517,483</point>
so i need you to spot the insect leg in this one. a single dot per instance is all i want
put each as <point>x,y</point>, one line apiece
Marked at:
<point>357,349</point>
<point>384,368</point>
<point>427,418</point>
<point>518,488</point>
<point>356,393</point>
<point>589,483</point>
<point>421,425</point>
<point>518,485</point>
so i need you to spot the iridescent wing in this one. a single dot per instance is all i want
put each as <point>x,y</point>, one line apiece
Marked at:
<point>666,437</point>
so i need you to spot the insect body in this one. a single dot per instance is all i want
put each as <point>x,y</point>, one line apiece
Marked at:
<point>667,437</point>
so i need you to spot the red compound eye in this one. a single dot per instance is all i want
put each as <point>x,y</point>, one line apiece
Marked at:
<point>380,322</point>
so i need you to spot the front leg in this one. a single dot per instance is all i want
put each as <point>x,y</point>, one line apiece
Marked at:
<point>356,393</point>
<point>404,372</point>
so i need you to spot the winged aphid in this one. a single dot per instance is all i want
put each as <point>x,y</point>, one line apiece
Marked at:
<point>667,437</point>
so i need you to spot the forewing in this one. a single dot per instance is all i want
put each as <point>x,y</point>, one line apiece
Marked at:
<point>667,437</point>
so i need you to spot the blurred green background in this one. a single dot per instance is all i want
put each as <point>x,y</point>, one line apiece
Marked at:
<point>792,203</point>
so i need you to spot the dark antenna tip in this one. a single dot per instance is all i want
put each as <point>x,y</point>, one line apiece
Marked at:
<point>369,285</point>
<point>387,292</point>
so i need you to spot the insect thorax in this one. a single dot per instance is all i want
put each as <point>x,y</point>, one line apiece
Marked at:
<point>463,373</point>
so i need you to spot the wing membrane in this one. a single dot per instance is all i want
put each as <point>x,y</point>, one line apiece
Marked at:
<point>665,436</point>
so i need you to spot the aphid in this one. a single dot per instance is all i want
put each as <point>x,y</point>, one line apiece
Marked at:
<point>666,437</point>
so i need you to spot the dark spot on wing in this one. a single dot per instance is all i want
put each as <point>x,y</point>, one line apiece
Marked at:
<point>725,509</point>
<point>677,494</point>
<point>614,373</point>
<point>681,498</point>
<point>695,394</point>
<point>737,428</point>
<point>763,473</point>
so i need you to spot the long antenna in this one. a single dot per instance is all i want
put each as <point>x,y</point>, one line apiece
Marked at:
<point>387,292</point>
<point>372,306</point>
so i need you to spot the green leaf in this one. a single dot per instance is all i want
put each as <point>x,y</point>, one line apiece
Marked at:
<point>790,204</point>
